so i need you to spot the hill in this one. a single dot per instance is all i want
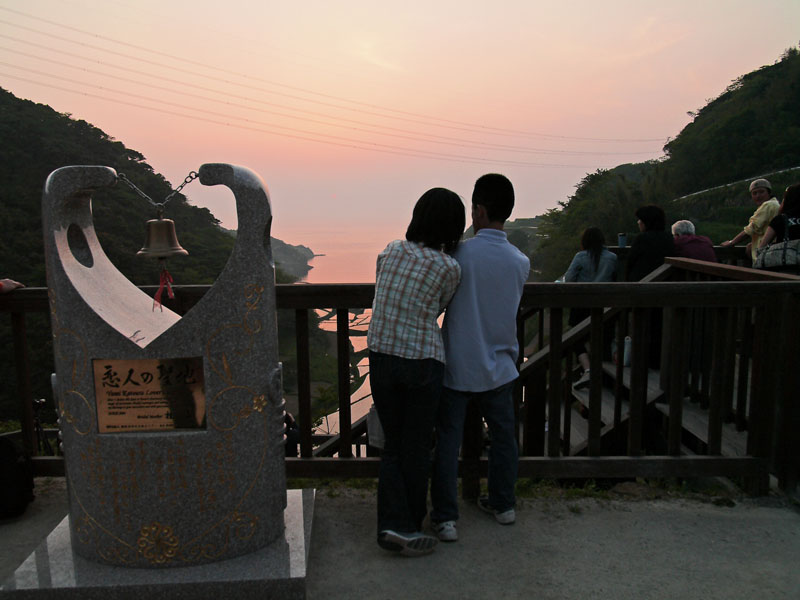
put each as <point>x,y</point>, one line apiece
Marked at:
<point>751,129</point>
<point>38,140</point>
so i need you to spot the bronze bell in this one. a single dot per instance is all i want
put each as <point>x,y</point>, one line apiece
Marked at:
<point>161,240</point>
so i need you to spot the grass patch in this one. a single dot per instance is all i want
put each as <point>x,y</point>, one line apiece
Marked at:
<point>9,426</point>
<point>568,490</point>
<point>334,487</point>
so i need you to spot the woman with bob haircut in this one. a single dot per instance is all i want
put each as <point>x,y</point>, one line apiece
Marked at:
<point>415,280</point>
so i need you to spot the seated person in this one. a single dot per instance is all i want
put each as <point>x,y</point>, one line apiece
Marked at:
<point>594,263</point>
<point>786,225</point>
<point>689,245</point>
<point>788,215</point>
<point>651,246</point>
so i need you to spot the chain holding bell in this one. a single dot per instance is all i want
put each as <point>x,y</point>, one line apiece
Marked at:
<point>161,240</point>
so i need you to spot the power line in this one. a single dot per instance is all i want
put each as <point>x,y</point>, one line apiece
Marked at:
<point>299,134</point>
<point>339,122</point>
<point>430,120</point>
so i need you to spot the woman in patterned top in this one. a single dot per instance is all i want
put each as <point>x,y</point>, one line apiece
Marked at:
<point>415,280</point>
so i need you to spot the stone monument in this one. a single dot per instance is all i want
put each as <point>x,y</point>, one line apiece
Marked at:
<point>172,425</point>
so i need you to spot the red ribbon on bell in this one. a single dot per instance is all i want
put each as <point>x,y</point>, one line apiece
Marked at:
<point>165,281</point>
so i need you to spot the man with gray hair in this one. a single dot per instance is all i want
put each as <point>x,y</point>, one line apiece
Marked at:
<point>768,205</point>
<point>689,245</point>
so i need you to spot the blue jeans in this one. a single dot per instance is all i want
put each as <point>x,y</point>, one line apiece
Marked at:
<point>406,394</point>
<point>497,408</point>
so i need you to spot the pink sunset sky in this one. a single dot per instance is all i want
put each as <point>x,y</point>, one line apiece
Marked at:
<point>350,110</point>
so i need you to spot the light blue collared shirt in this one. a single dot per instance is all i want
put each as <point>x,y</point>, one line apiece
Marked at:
<point>480,325</point>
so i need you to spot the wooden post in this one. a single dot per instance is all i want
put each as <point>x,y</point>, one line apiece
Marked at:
<point>716,401</point>
<point>640,356</point>
<point>621,332</point>
<point>787,448</point>
<point>596,380</point>
<point>759,435</point>
<point>24,392</point>
<point>678,349</point>
<point>343,359</point>
<point>555,380</point>
<point>303,382</point>
<point>567,421</point>
<point>745,352</point>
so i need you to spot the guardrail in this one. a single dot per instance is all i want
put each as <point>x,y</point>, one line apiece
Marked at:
<point>754,313</point>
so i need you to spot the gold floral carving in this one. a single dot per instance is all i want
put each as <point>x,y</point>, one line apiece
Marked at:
<point>157,543</point>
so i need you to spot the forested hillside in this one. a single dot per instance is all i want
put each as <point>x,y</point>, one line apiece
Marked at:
<point>751,129</point>
<point>36,141</point>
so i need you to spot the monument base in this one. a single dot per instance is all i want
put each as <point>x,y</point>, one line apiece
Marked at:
<point>276,571</point>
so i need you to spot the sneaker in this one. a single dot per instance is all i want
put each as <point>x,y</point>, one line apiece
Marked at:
<point>407,544</point>
<point>505,517</point>
<point>583,381</point>
<point>446,531</point>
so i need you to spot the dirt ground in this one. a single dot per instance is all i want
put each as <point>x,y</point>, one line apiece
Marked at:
<point>633,542</point>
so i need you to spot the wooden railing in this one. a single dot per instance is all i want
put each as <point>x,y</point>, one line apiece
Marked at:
<point>740,325</point>
<point>722,324</point>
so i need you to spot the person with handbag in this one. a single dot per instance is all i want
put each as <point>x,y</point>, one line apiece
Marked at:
<point>416,279</point>
<point>783,230</point>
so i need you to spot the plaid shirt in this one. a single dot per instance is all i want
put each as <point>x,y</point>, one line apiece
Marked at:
<point>412,287</point>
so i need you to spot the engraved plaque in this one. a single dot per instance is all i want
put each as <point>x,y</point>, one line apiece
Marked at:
<point>149,394</point>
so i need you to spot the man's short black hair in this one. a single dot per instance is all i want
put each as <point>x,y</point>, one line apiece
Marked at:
<point>652,216</point>
<point>496,194</point>
<point>438,220</point>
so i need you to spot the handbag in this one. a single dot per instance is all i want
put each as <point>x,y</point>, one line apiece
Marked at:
<point>375,429</point>
<point>781,254</point>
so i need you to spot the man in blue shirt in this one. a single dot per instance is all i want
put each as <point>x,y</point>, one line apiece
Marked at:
<point>480,340</point>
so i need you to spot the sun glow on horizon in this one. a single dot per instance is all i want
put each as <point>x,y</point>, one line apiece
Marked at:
<point>373,104</point>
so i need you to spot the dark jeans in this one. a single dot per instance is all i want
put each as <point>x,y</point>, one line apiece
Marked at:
<point>406,394</point>
<point>497,408</point>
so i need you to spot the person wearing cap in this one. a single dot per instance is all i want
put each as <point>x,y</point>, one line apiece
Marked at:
<point>768,205</point>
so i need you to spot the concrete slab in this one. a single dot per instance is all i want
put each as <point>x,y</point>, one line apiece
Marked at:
<point>278,570</point>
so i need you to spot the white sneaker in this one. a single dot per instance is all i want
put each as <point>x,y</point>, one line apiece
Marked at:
<point>506,517</point>
<point>583,381</point>
<point>408,544</point>
<point>446,531</point>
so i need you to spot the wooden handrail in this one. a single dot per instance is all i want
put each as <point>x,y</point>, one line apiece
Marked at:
<point>741,289</point>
